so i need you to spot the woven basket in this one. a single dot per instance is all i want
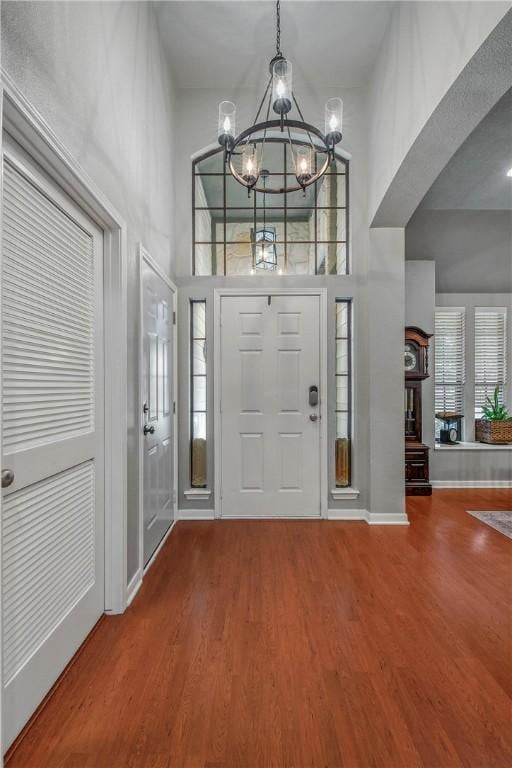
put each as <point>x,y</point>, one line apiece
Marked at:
<point>493,431</point>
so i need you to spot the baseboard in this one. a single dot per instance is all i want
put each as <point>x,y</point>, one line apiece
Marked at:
<point>133,586</point>
<point>471,483</point>
<point>196,514</point>
<point>388,518</point>
<point>372,518</point>
<point>347,514</point>
<point>157,550</point>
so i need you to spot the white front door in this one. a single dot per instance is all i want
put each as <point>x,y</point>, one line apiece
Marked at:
<point>52,434</point>
<point>157,416</point>
<point>270,431</point>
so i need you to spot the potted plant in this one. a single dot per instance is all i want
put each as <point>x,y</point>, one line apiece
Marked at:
<point>495,426</point>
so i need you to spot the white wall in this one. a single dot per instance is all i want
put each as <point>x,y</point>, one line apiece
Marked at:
<point>419,311</point>
<point>386,399</point>
<point>425,50</point>
<point>98,75</point>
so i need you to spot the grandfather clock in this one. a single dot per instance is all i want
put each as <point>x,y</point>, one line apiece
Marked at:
<point>416,453</point>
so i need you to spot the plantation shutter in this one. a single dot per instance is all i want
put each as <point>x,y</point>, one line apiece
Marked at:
<point>490,354</point>
<point>449,360</point>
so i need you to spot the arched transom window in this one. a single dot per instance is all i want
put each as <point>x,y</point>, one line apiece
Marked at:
<point>299,233</point>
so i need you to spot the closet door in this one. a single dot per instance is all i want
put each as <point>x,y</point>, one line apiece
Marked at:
<point>52,433</point>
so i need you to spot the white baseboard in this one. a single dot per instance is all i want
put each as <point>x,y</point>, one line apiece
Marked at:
<point>347,514</point>
<point>388,518</point>
<point>372,518</point>
<point>133,587</point>
<point>471,483</point>
<point>196,514</point>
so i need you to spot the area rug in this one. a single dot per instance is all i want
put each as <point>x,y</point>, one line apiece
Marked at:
<point>500,521</point>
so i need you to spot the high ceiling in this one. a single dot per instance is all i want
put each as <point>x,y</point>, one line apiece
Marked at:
<point>229,44</point>
<point>476,177</point>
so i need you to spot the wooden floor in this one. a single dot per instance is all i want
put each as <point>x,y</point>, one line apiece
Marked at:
<point>318,644</point>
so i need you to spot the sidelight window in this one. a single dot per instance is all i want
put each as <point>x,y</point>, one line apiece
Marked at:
<point>198,396</point>
<point>343,393</point>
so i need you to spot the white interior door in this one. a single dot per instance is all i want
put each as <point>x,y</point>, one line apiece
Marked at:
<point>52,434</point>
<point>270,358</point>
<point>157,418</point>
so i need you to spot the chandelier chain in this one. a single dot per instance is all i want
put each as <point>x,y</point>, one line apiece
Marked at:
<point>278,28</point>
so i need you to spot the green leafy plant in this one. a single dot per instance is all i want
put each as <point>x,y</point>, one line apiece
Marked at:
<point>495,411</point>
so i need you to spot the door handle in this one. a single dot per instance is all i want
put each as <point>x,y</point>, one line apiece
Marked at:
<point>313,416</point>
<point>7,477</point>
<point>313,395</point>
<point>149,429</point>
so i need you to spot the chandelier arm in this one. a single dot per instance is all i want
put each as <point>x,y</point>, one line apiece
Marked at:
<point>265,131</point>
<point>291,144</point>
<point>302,118</point>
<point>263,101</point>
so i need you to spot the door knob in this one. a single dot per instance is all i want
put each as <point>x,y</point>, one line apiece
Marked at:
<point>7,477</point>
<point>313,416</point>
<point>149,429</point>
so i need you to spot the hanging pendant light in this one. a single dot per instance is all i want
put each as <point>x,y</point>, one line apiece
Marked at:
<point>265,252</point>
<point>311,151</point>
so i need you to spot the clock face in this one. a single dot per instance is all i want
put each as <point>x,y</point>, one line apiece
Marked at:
<point>410,358</point>
<point>453,435</point>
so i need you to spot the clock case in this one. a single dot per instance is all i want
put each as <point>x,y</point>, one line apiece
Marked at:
<point>416,452</point>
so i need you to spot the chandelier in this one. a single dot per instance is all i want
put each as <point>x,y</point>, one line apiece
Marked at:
<point>310,150</point>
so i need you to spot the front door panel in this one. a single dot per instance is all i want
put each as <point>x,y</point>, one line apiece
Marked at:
<point>270,433</point>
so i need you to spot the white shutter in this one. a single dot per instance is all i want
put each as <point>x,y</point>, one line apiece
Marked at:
<point>490,354</point>
<point>449,359</point>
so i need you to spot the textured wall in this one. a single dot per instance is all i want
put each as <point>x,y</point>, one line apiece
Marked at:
<point>97,74</point>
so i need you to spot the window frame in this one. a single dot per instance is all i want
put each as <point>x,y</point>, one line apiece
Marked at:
<point>192,409</point>
<point>349,376</point>
<point>456,385</point>
<point>285,243</point>
<point>488,384</point>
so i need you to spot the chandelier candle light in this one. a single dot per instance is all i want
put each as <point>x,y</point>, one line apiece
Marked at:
<point>311,150</point>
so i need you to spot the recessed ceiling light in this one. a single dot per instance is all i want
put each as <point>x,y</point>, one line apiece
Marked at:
<point>509,172</point>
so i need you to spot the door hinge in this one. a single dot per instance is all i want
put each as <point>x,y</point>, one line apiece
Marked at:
<point>174,496</point>
<point>174,407</point>
<point>174,318</point>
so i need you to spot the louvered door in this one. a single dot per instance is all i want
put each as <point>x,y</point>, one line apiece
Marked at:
<point>52,416</point>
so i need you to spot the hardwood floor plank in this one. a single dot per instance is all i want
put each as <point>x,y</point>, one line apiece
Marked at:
<point>301,644</point>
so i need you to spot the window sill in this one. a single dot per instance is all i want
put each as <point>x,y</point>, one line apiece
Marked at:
<point>339,494</point>
<point>198,494</point>
<point>467,446</point>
